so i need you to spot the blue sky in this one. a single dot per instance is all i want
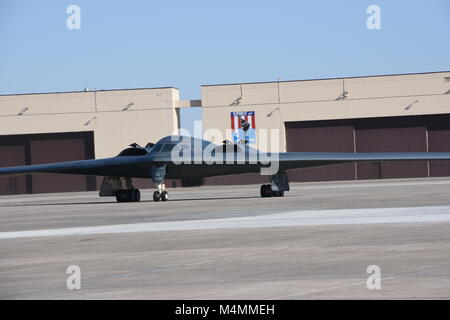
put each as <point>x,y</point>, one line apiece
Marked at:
<point>184,44</point>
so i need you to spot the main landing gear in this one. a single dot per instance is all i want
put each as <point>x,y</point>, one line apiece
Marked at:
<point>121,188</point>
<point>266,191</point>
<point>128,195</point>
<point>279,184</point>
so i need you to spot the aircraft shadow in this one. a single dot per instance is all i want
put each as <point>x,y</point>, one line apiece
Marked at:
<point>124,203</point>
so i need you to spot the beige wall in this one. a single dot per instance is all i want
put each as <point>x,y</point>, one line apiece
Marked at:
<point>279,102</point>
<point>151,117</point>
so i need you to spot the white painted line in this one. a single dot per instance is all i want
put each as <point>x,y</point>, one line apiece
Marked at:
<point>284,219</point>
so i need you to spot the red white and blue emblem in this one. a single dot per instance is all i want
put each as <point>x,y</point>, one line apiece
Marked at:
<point>243,126</point>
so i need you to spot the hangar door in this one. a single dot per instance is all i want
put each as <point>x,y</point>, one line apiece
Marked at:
<point>12,155</point>
<point>45,148</point>
<point>439,140</point>
<point>321,136</point>
<point>390,134</point>
<point>396,134</point>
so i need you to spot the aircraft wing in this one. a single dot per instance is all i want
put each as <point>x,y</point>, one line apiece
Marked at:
<point>138,166</point>
<point>129,166</point>
<point>290,160</point>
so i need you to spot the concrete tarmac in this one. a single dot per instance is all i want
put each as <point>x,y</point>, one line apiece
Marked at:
<point>228,243</point>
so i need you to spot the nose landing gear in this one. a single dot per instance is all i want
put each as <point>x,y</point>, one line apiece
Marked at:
<point>161,193</point>
<point>158,173</point>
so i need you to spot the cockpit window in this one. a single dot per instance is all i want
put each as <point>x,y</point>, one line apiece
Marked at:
<point>157,147</point>
<point>133,152</point>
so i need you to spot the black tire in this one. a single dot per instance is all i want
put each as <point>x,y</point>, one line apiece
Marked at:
<point>136,195</point>
<point>278,193</point>
<point>164,196</point>
<point>266,191</point>
<point>121,196</point>
<point>156,196</point>
<point>129,196</point>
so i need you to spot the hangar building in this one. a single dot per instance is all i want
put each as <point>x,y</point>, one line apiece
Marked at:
<point>54,127</point>
<point>406,112</point>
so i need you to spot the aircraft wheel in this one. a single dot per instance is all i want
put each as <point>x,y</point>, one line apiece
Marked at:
<point>278,193</point>
<point>156,196</point>
<point>136,195</point>
<point>266,191</point>
<point>129,195</point>
<point>122,196</point>
<point>164,196</point>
